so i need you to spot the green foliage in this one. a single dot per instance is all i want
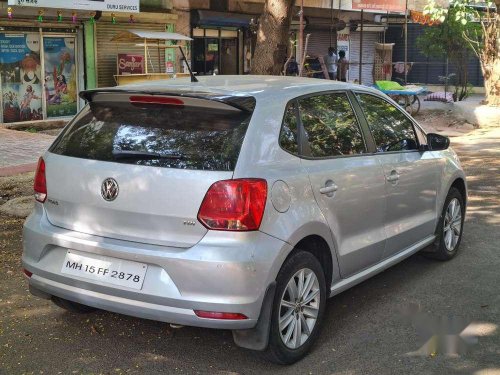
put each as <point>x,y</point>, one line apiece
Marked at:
<point>447,38</point>
<point>464,11</point>
<point>450,39</point>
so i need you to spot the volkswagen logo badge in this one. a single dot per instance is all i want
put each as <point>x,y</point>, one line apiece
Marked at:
<point>109,189</point>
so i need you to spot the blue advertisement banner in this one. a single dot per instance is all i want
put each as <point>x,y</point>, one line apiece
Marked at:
<point>20,77</point>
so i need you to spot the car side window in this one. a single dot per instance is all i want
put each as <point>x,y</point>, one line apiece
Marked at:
<point>331,126</point>
<point>391,129</point>
<point>288,135</point>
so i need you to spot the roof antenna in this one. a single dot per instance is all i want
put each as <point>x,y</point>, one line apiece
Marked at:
<point>193,78</point>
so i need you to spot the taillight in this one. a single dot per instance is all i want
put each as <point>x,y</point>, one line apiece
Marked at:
<point>234,205</point>
<point>40,186</point>
<point>219,315</point>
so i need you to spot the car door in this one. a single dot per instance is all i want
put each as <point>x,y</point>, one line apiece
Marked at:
<point>347,182</point>
<point>411,173</point>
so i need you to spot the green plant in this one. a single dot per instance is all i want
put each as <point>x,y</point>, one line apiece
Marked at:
<point>447,40</point>
<point>484,39</point>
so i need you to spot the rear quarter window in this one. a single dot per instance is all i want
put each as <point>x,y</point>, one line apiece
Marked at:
<point>168,136</point>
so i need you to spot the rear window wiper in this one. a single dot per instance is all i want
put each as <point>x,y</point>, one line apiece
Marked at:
<point>142,155</point>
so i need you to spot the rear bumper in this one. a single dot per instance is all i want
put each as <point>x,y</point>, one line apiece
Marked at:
<point>224,272</point>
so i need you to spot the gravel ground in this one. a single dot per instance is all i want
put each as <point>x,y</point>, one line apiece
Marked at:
<point>364,331</point>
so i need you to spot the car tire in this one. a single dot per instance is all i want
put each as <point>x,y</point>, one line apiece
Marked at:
<point>71,306</point>
<point>300,266</point>
<point>450,227</point>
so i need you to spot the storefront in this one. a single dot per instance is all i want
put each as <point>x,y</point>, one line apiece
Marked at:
<point>108,52</point>
<point>222,42</point>
<point>39,72</point>
<point>47,55</point>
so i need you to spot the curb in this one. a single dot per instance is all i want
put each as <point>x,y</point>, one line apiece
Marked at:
<point>16,169</point>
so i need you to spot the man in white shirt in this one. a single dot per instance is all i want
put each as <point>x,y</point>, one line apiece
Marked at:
<point>331,63</point>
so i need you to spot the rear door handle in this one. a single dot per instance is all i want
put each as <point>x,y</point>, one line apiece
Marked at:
<point>393,177</point>
<point>329,189</point>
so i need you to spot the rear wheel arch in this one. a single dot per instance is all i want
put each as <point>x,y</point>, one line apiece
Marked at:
<point>317,246</point>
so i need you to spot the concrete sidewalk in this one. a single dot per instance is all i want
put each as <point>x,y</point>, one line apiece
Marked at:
<point>19,151</point>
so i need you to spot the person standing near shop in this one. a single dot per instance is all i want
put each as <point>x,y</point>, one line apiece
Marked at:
<point>343,66</point>
<point>331,63</point>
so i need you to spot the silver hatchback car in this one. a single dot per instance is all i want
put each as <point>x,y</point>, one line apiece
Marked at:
<point>238,202</point>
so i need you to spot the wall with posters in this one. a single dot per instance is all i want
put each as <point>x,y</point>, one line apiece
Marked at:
<point>20,77</point>
<point>38,75</point>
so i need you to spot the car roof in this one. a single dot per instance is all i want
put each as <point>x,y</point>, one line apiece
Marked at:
<point>259,86</point>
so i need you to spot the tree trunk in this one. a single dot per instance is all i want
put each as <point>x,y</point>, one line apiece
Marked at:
<point>490,59</point>
<point>272,37</point>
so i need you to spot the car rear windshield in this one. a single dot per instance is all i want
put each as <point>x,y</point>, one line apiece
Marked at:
<point>169,136</point>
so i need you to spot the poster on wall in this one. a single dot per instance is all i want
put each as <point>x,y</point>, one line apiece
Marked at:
<point>129,6</point>
<point>129,64</point>
<point>20,77</point>
<point>60,76</point>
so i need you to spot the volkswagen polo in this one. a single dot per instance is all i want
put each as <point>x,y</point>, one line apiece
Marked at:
<point>237,203</point>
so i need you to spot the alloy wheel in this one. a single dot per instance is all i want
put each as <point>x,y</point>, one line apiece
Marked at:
<point>299,308</point>
<point>452,224</point>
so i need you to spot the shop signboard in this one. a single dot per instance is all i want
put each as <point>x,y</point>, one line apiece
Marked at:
<point>129,64</point>
<point>384,5</point>
<point>129,6</point>
<point>343,44</point>
<point>60,76</point>
<point>20,77</point>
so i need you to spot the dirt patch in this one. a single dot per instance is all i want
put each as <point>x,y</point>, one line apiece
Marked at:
<point>19,207</point>
<point>16,186</point>
<point>445,122</point>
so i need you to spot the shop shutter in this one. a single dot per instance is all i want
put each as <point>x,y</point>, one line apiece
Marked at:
<point>319,42</point>
<point>369,40</point>
<point>108,50</point>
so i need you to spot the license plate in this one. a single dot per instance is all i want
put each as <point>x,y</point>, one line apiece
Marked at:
<point>106,269</point>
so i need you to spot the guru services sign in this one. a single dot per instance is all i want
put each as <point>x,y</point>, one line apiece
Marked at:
<point>129,6</point>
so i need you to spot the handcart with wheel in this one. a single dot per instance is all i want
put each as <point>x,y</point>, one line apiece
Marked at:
<point>405,96</point>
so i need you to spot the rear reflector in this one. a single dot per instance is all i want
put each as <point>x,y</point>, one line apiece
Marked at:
<point>145,99</point>
<point>219,315</point>
<point>234,205</point>
<point>40,186</point>
<point>27,273</point>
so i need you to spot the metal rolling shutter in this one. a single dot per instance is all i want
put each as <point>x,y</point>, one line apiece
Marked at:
<point>107,50</point>
<point>319,42</point>
<point>369,40</point>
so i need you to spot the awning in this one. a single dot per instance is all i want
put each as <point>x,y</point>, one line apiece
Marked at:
<point>138,36</point>
<point>220,19</point>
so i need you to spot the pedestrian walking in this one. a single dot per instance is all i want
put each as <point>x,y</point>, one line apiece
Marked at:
<point>331,63</point>
<point>343,66</point>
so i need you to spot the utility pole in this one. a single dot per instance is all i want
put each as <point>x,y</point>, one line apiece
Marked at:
<point>301,32</point>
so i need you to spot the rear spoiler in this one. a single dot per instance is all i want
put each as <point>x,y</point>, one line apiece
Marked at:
<point>241,103</point>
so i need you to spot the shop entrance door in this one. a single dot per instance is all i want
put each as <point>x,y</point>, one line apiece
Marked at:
<point>229,56</point>
<point>61,76</point>
<point>215,51</point>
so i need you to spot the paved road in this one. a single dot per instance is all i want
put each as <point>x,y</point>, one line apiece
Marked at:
<point>363,333</point>
<point>19,151</point>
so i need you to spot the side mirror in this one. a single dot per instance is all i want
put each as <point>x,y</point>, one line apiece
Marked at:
<point>437,142</point>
